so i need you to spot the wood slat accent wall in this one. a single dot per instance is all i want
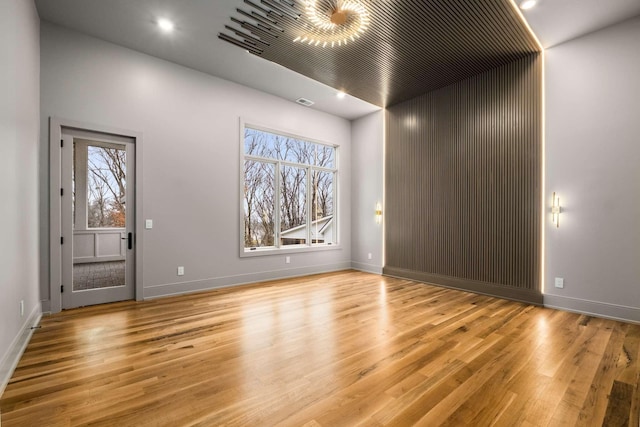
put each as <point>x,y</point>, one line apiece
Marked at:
<point>463,184</point>
<point>410,48</point>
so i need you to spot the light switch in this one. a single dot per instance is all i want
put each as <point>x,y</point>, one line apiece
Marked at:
<point>148,224</point>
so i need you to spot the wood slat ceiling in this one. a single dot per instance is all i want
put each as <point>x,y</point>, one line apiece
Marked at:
<point>410,47</point>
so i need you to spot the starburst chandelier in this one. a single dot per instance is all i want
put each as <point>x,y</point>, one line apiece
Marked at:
<point>334,22</point>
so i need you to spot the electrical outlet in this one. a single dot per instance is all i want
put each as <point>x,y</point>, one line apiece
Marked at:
<point>369,256</point>
<point>559,282</point>
<point>148,224</point>
<point>22,307</point>
<point>287,260</point>
<point>180,271</point>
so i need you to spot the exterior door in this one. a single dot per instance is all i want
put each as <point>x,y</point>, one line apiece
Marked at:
<point>98,218</point>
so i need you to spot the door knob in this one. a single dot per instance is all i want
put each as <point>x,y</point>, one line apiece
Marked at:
<point>129,240</point>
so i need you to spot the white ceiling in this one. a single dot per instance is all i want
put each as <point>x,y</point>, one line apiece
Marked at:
<point>556,21</point>
<point>195,43</point>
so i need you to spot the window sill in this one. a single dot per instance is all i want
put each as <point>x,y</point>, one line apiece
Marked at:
<point>288,250</point>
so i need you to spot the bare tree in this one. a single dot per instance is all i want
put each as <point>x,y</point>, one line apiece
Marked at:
<point>107,187</point>
<point>293,206</point>
<point>259,196</point>
<point>97,206</point>
<point>260,192</point>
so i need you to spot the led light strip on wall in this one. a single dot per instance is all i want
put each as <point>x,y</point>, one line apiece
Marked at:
<point>555,209</point>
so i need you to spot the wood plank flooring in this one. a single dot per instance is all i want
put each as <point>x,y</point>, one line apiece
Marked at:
<point>339,349</point>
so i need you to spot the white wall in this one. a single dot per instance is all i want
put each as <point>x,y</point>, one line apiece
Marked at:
<point>367,140</point>
<point>19,122</point>
<point>593,163</point>
<point>190,126</point>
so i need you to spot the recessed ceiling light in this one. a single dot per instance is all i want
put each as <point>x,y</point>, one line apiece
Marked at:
<point>165,25</point>
<point>527,4</point>
<point>341,95</point>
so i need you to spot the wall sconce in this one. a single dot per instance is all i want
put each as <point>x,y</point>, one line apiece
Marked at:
<point>378,213</point>
<point>555,209</point>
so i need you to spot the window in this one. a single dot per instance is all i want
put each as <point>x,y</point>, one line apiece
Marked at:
<point>289,192</point>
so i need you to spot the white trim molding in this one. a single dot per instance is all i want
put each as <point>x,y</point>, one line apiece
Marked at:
<point>17,347</point>
<point>180,288</point>
<point>367,268</point>
<point>593,308</point>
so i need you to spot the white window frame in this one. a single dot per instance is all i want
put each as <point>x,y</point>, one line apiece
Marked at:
<point>299,248</point>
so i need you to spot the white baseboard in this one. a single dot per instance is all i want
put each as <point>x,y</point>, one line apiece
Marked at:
<point>593,308</point>
<point>187,287</point>
<point>367,268</point>
<point>17,347</point>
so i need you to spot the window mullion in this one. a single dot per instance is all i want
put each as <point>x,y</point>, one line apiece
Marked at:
<point>323,169</point>
<point>309,206</point>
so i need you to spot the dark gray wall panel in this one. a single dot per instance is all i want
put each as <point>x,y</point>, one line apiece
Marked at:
<point>463,171</point>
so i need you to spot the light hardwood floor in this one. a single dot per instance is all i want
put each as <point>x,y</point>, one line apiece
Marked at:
<point>344,348</point>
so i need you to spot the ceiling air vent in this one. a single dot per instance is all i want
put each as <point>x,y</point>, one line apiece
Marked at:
<point>304,101</point>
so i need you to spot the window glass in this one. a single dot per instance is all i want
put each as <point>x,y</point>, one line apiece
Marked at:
<point>322,207</point>
<point>289,187</point>
<point>259,204</point>
<point>293,205</point>
<point>325,156</point>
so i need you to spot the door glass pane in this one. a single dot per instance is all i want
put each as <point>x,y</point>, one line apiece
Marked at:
<point>106,187</point>
<point>99,233</point>
<point>293,206</point>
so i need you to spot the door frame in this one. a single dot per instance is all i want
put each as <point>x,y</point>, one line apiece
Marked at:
<point>76,298</point>
<point>56,126</point>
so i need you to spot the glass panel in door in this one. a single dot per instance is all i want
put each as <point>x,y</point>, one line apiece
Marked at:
<point>99,233</point>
